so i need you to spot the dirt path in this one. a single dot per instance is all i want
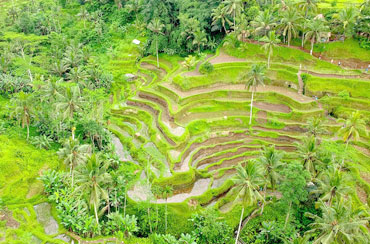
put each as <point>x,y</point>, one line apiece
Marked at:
<point>166,118</point>
<point>159,71</point>
<point>272,107</point>
<point>362,76</point>
<point>196,71</point>
<point>225,58</point>
<point>238,87</point>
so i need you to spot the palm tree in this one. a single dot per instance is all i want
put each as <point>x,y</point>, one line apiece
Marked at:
<point>316,127</point>
<point>332,183</point>
<point>307,5</point>
<point>315,28</point>
<point>270,159</point>
<point>84,15</point>
<point>59,68</point>
<point>77,75</point>
<point>352,127</point>
<point>271,41</point>
<point>156,27</point>
<point>340,223</point>
<point>252,79</point>
<point>347,17</point>
<point>91,178</point>
<point>263,23</point>
<point>134,6</point>
<point>51,90</point>
<point>23,109</point>
<point>308,152</point>
<point>233,7</point>
<point>189,62</point>
<point>289,24</point>
<point>70,102</point>
<point>242,29</point>
<point>247,182</point>
<point>220,14</point>
<point>200,39</point>
<point>74,154</point>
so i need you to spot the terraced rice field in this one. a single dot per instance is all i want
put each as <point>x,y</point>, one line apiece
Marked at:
<point>197,134</point>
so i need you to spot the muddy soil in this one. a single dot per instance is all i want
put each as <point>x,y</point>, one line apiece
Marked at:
<point>7,216</point>
<point>161,72</point>
<point>205,162</point>
<point>225,58</point>
<point>155,112</point>
<point>272,107</point>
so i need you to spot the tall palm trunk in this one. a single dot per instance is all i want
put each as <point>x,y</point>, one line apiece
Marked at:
<point>96,214</point>
<point>302,39</point>
<point>268,59</point>
<point>240,225</point>
<point>312,41</point>
<point>250,114</point>
<point>288,214</point>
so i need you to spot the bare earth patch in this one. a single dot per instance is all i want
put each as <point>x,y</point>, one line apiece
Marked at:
<point>7,216</point>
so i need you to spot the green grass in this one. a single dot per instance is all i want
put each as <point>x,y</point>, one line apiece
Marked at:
<point>349,49</point>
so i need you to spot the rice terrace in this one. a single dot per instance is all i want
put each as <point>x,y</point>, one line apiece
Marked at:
<point>184,122</point>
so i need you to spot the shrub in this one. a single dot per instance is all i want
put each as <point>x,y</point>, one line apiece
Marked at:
<point>208,230</point>
<point>344,94</point>
<point>206,68</point>
<point>53,180</point>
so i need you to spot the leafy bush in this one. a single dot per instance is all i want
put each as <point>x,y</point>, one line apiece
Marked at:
<point>119,223</point>
<point>53,181</point>
<point>206,68</point>
<point>11,84</point>
<point>209,230</point>
<point>41,141</point>
<point>344,94</point>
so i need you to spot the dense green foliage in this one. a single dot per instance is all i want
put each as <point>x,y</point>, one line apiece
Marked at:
<point>99,110</point>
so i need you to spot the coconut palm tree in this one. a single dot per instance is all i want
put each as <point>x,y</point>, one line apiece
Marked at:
<point>70,102</point>
<point>156,27</point>
<point>233,7</point>
<point>247,182</point>
<point>308,152</point>
<point>219,14</point>
<point>73,154</point>
<point>332,183</point>
<point>271,41</point>
<point>347,17</point>
<point>289,24</point>
<point>242,29</point>
<point>51,90</point>
<point>91,180</point>
<point>84,15</point>
<point>270,160</point>
<point>352,127</point>
<point>77,75</point>
<point>23,109</point>
<point>340,223</point>
<point>263,23</point>
<point>307,5</point>
<point>254,78</point>
<point>200,39</point>
<point>315,126</point>
<point>315,28</point>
